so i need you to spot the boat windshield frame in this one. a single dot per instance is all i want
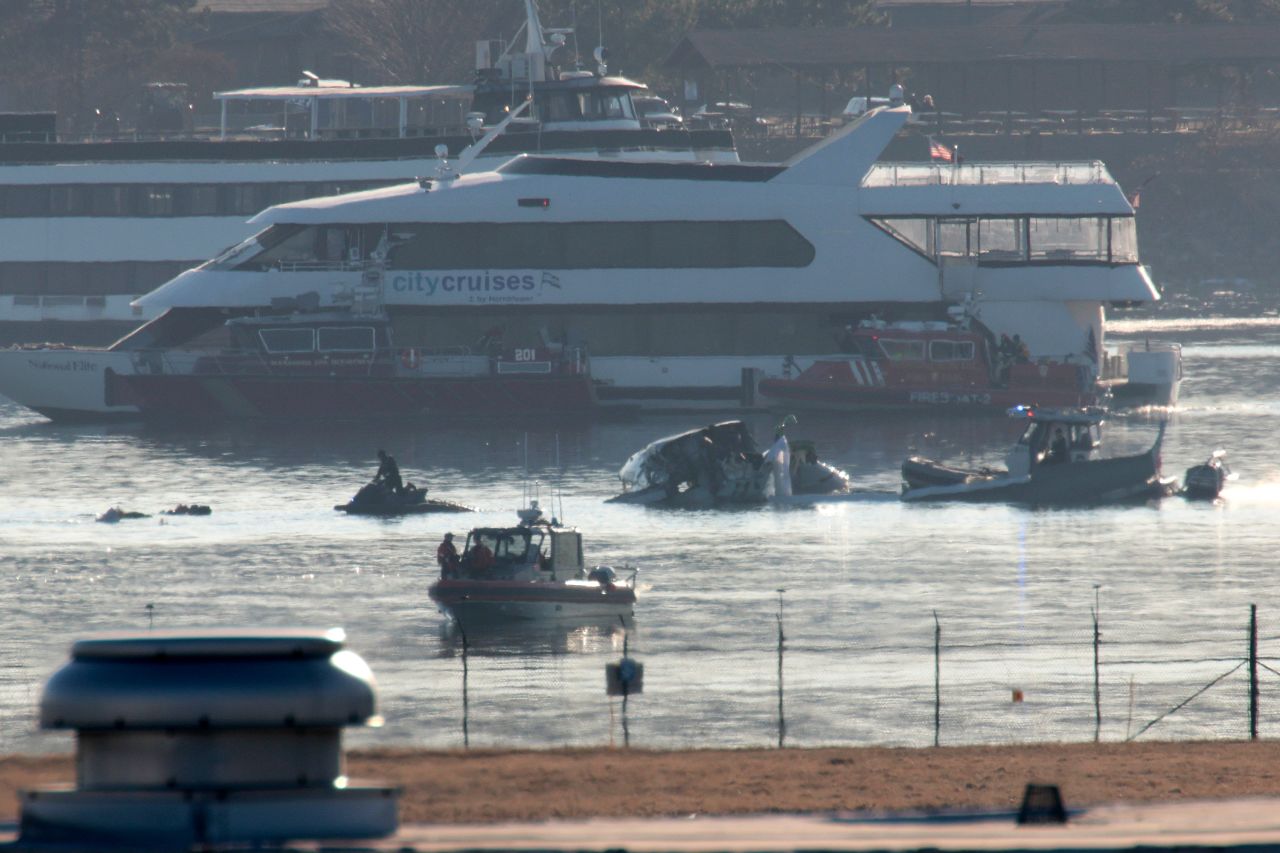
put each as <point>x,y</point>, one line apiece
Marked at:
<point>496,537</point>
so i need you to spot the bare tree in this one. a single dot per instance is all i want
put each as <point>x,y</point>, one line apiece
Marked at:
<point>419,41</point>
<point>75,55</point>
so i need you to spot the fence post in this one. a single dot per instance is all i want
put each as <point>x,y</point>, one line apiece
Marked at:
<point>1253,672</point>
<point>782,719</point>
<point>626,686</point>
<point>466,710</point>
<point>1097,685</point>
<point>937,680</point>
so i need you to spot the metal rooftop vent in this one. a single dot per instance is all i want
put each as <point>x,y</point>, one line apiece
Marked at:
<point>211,737</point>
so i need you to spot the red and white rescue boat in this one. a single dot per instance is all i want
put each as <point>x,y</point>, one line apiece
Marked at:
<point>339,365</point>
<point>891,365</point>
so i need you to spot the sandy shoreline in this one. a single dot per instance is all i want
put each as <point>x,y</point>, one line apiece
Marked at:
<point>501,785</point>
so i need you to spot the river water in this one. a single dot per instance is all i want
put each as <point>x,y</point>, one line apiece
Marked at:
<point>1012,588</point>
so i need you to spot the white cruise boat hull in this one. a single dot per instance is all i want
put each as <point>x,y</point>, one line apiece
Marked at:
<point>65,384</point>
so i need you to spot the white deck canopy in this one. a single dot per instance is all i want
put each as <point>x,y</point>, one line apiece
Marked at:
<point>338,90</point>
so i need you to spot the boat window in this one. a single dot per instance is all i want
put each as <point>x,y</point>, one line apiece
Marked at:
<point>229,257</point>
<point>1002,239</point>
<point>287,340</point>
<point>562,106</point>
<point>599,245</point>
<point>245,199</point>
<point>68,200</point>
<point>506,545</point>
<point>953,238</point>
<point>109,200</point>
<point>23,200</point>
<point>518,546</point>
<point>1124,240</point>
<point>285,193</point>
<point>202,200</point>
<point>605,104</point>
<point>156,201</point>
<point>1068,238</point>
<point>900,350</point>
<point>283,244</point>
<point>534,245</point>
<point>594,245</point>
<point>345,339</point>
<point>914,232</point>
<point>951,350</point>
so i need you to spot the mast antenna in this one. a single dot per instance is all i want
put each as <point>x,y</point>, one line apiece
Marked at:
<point>559,480</point>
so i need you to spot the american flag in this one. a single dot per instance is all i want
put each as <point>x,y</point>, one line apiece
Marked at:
<point>940,151</point>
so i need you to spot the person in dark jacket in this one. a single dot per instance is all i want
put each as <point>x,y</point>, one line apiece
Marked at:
<point>388,473</point>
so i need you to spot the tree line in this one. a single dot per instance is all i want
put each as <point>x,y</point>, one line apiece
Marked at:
<point>78,56</point>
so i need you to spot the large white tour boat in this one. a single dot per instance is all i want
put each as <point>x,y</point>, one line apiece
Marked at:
<point>92,223</point>
<point>686,283</point>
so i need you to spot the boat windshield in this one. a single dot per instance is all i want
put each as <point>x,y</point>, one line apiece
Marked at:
<point>1049,441</point>
<point>293,247</point>
<point>514,546</point>
<point>597,104</point>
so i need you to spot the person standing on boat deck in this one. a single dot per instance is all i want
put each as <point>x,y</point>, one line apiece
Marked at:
<point>447,557</point>
<point>388,472</point>
<point>1021,352</point>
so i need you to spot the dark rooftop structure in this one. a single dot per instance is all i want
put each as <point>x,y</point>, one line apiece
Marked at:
<point>969,69</point>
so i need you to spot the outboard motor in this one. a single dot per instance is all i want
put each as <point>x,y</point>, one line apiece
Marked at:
<point>603,575</point>
<point>1205,481</point>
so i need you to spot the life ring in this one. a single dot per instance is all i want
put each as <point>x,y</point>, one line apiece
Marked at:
<point>409,358</point>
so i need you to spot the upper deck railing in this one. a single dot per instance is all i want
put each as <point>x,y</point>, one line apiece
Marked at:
<point>986,174</point>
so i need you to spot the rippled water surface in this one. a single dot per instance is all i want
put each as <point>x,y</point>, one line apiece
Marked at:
<point>1012,588</point>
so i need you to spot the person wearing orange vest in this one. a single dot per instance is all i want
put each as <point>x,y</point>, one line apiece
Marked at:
<point>447,557</point>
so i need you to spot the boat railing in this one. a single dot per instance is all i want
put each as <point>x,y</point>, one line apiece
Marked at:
<point>321,266</point>
<point>986,174</point>
<point>412,361</point>
<point>233,361</point>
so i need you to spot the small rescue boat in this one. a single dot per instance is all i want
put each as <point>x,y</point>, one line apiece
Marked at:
<point>533,571</point>
<point>1055,461</point>
<point>377,499</point>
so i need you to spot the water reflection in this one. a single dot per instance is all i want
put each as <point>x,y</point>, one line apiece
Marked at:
<point>863,574</point>
<point>536,638</point>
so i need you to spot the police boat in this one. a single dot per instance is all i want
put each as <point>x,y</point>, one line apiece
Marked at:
<point>533,571</point>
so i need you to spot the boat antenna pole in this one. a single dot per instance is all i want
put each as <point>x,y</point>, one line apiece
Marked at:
<point>577,51</point>
<point>559,479</point>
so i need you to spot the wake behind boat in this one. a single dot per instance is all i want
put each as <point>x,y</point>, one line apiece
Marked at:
<point>1055,461</point>
<point>533,571</point>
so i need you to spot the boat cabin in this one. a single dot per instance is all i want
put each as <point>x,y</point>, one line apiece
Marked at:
<point>1054,437</point>
<point>334,343</point>
<point>923,341</point>
<point>536,551</point>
